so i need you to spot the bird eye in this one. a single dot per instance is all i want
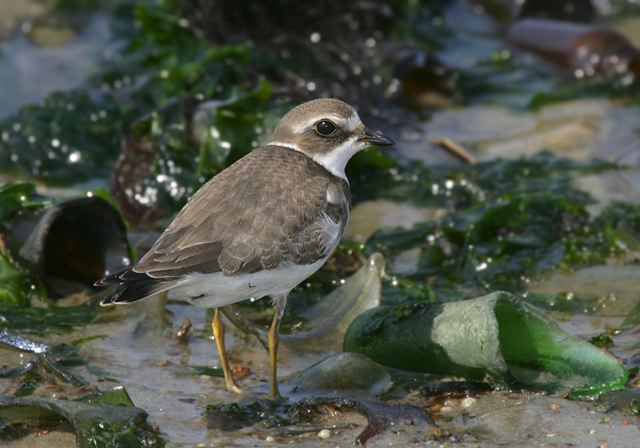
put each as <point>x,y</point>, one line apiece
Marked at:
<point>325,127</point>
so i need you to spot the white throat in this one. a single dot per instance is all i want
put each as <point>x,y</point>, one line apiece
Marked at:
<point>334,161</point>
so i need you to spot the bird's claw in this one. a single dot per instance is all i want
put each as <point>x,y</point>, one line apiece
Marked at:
<point>233,387</point>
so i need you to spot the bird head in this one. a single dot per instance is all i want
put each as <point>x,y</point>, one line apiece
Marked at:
<point>327,130</point>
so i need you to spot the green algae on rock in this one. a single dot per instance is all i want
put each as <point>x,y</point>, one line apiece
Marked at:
<point>495,336</point>
<point>93,422</point>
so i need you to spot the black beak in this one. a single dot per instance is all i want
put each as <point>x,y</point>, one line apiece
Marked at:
<point>375,138</point>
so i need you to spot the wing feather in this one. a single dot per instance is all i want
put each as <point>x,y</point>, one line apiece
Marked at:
<point>242,221</point>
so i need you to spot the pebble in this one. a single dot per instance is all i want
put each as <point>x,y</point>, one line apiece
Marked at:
<point>324,434</point>
<point>269,439</point>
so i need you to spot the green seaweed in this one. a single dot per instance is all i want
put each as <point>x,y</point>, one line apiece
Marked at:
<point>514,79</point>
<point>69,137</point>
<point>588,88</point>
<point>380,416</point>
<point>118,396</point>
<point>506,222</point>
<point>76,136</point>
<point>67,355</point>
<point>45,321</point>
<point>230,416</point>
<point>602,340</point>
<point>16,197</point>
<point>14,283</point>
<point>402,290</point>
<point>203,370</point>
<point>28,383</point>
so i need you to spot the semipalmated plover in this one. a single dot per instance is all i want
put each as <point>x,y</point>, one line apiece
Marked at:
<point>261,226</point>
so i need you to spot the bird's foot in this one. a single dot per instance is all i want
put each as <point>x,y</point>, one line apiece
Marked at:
<point>274,394</point>
<point>233,387</point>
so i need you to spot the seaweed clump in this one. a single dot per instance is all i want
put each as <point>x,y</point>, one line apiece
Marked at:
<point>506,222</point>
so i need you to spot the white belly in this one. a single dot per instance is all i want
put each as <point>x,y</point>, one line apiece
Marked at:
<point>220,290</point>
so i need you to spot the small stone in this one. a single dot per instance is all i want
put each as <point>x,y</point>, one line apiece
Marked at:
<point>324,434</point>
<point>269,439</point>
<point>603,445</point>
<point>592,432</point>
<point>555,407</point>
<point>605,419</point>
<point>182,334</point>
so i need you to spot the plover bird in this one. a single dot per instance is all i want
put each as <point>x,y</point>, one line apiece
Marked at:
<point>261,226</point>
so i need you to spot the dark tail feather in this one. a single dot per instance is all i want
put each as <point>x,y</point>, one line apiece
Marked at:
<point>132,286</point>
<point>110,279</point>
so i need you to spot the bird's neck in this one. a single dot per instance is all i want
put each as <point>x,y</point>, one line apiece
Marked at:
<point>334,160</point>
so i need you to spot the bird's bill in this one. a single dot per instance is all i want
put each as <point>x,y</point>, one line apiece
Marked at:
<point>375,138</point>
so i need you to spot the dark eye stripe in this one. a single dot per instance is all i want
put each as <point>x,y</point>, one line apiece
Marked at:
<point>325,127</point>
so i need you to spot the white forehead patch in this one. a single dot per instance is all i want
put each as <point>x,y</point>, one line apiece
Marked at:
<point>353,121</point>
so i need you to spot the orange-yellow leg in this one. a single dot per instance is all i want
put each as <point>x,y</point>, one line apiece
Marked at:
<point>218,335</point>
<point>273,340</point>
